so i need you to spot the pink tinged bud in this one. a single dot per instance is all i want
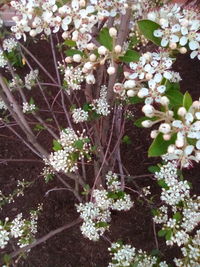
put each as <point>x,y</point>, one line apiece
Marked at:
<point>167,137</point>
<point>183,50</point>
<point>164,101</point>
<point>92,57</point>
<point>179,143</point>
<point>118,49</point>
<point>91,46</point>
<point>173,46</point>
<point>118,88</point>
<point>148,76</point>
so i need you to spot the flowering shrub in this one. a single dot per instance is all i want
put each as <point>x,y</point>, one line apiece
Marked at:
<point>108,57</point>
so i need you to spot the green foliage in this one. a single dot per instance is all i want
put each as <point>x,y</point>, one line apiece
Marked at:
<point>153,168</point>
<point>130,56</point>
<point>159,146</point>
<point>86,189</point>
<point>70,43</point>
<point>133,42</point>
<point>15,58</point>
<point>187,100</point>
<point>49,177</point>
<point>147,27</point>
<point>56,145</point>
<point>163,184</point>
<point>177,216</point>
<point>174,95</point>
<point>135,100</point>
<point>105,39</point>
<point>39,127</point>
<point>126,140</point>
<point>72,52</point>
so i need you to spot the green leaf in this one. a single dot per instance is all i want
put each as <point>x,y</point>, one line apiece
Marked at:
<point>162,233</point>
<point>177,216</point>
<point>174,95</point>
<point>130,56</point>
<point>135,100</point>
<point>72,52</point>
<point>153,168</point>
<point>159,146</point>
<point>139,121</point>
<point>101,224</point>
<point>133,42</point>
<point>31,101</point>
<point>112,195</point>
<point>163,184</point>
<point>105,39</point>
<point>187,100</point>
<point>126,140</point>
<point>56,145</point>
<point>39,127</point>
<point>79,144</point>
<point>168,234</point>
<point>70,43</point>
<point>147,28</point>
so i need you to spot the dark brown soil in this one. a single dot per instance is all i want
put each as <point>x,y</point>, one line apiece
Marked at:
<point>70,248</point>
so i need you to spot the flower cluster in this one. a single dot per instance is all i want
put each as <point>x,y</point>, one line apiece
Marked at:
<point>79,115</point>
<point>19,191</point>
<point>178,28</point>
<point>96,214</point>
<point>3,61</point>
<point>31,78</point>
<point>151,68</point>
<point>21,229</point>
<point>69,149</point>
<point>27,108</point>
<point>9,44</point>
<point>180,214</point>
<point>125,255</point>
<point>101,105</point>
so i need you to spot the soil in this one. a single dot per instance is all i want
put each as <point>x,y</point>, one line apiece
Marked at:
<point>70,248</point>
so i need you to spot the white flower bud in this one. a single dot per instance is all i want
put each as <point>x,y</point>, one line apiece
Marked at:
<point>171,149</point>
<point>82,3</point>
<point>118,49</point>
<point>88,65</point>
<point>148,76</point>
<point>92,57</point>
<point>90,79</point>
<point>164,128</point>
<point>167,137</point>
<point>102,50</point>
<point>68,60</point>
<point>33,33</point>
<point>130,93</point>
<point>196,104</point>
<point>147,124</point>
<point>129,84</point>
<point>65,35</point>
<point>91,46</point>
<point>113,32</point>
<point>111,70</point>
<point>164,101</point>
<point>182,111</point>
<point>147,56</point>
<point>77,58</point>
<point>154,134</point>
<point>148,110</point>
<point>170,113</point>
<point>183,50</point>
<point>173,46</point>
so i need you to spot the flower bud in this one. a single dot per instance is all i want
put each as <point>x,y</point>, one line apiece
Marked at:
<point>173,46</point>
<point>164,128</point>
<point>77,58</point>
<point>130,93</point>
<point>88,65</point>
<point>118,88</point>
<point>148,110</point>
<point>126,74</point>
<point>90,79</point>
<point>102,50</point>
<point>179,143</point>
<point>33,33</point>
<point>182,111</point>
<point>154,134</point>
<point>171,149</point>
<point>196,104</point>
<point>166,137</point>
<point>129,84</point>
<point>111,70</point>
<point>164,101</point>
<point>118,49</point>
<point>91,46</point>
<point>92,57</point>
<point>147,56</point>
<point>65,35</point>
<point>147,124</point>
<point>68,60</point>
<point>183,50</point>
<point>148,76</point>
<point>113,32</point>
